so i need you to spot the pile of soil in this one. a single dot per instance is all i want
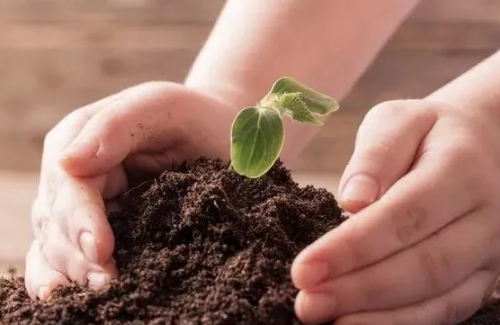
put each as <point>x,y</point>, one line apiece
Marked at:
<point>199,245</point>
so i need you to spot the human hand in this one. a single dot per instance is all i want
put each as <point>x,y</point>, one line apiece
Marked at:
<point>424,245</point>
<point>87,161</point>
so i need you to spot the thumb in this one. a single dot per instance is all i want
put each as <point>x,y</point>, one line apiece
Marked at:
<point>127,125</point>
<point>386,145</point>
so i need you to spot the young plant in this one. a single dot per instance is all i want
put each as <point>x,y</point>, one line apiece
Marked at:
<point>258,134</point>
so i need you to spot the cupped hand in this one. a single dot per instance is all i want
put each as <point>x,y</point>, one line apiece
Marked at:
<point>88,159</point>
<point>423,244</point>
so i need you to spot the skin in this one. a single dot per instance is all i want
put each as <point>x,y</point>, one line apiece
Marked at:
<point>423,245</point>
<point>427,169</point>
<point>90,158</point>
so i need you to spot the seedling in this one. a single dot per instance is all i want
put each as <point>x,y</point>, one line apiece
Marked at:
<point>258,134</point>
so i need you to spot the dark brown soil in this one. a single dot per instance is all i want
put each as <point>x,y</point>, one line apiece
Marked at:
<point>489,315</point>
<point>198,246</point>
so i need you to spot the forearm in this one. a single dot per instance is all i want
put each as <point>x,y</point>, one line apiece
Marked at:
<point>327,45</point>
<point>477,90</point>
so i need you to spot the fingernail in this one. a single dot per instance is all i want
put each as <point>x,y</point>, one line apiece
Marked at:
<point>43,293</point>
<point>315,307</point>
<point>82,149</point>
<point>311,274</point>
<point>97,280</point>
<point>88,246</point>
<point>361,188</point>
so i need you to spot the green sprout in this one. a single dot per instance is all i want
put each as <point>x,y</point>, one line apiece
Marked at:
<point>258,133</point>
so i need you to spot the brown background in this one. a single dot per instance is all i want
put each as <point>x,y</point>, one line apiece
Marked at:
<point>58,55</point>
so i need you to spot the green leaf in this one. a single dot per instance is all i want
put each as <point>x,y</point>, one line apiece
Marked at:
<point>316,102</point>
<point>257,139</point>
<point>257,133</point>
<point>292,104</point>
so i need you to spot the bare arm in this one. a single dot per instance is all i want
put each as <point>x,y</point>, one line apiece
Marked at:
<point>327,44</point>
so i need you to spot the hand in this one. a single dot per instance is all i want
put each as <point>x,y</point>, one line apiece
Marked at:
<point>87,161</point>
<point>424,245</point>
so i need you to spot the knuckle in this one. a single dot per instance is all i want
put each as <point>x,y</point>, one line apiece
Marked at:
<point>456,311</point>
<point>404,108</point>
<point>44,248</point>
<point>50,138</point>
<point>54,135</point>
<point>36,213</point>
<point>37,223</point>
<point>352,256</point>
<point>152,88</point>
<point>375,151</point>
<point>409,223</point>
<point>113,124</point>
<point>372,158</point>
<point>397,109</point>
<point>387,108</point>
<point>55,257</point>
<point>451,314</point>
<point>42,231</point>
<point>435,266</point>
<point>143,98</point>
<point>56,186</point>
<point>32,251</point>
<point>393,117</point>
<point>48,235</point>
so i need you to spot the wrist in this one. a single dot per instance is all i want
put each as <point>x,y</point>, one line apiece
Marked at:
<point>476,92</point>
<point>232,96</point>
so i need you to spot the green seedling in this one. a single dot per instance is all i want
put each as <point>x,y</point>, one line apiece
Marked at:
<point>258,133</point>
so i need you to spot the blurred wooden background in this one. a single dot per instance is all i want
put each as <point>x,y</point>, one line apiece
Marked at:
<point>56,56</point>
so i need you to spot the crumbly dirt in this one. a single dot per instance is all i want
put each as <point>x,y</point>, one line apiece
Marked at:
<point>199,245</point>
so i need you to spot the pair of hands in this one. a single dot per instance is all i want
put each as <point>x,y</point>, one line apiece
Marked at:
<point>422,248</point>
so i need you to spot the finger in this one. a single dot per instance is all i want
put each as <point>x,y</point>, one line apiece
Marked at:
<point>65,258</point>
<point>386,145</point>
<point>79,212</point>
<point>422,202</point>
<point>451,308</point>
<point>70,126</point>
<point>137,120</point>
<point>51,183</point>
<point>40,278</point>
<point>421,272</point>
<point>52,176</point>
